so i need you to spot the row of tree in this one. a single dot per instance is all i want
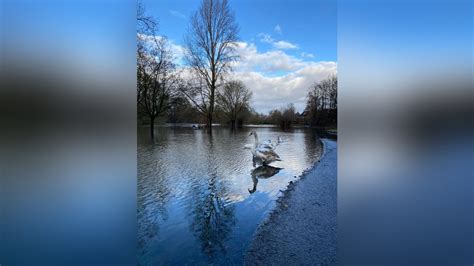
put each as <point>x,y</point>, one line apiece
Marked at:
<point>157,80</point>
<point>209,52</point>
<point>321,105</point>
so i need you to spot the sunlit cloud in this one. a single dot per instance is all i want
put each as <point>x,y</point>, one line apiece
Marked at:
<point>270,61</point>
<point>272,92</point>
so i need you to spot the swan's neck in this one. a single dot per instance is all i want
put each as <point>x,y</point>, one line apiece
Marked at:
<point>256,139</point>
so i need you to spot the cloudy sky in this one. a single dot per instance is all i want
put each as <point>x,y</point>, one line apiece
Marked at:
<point>284,46</point>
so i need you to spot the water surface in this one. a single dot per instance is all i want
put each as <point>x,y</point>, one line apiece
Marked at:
<point>200,197</point>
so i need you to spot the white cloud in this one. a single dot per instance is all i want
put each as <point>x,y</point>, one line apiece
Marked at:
<point>276,92</point>
<point>277,78</point>
<point>176,50</point>
<point>177,14</point>
<point>307,55</point>
<point>271,61</point>
<point>278,29</point>
<point>282,45</point>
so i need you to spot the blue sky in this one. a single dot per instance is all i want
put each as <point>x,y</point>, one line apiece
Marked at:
<point>284,46</point>
<point>309,24</point>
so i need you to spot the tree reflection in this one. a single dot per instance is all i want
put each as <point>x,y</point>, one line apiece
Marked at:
<point>264,171</point>
<point>153,194</point>
<point>153,188</point>
<point>213,219</point>
<point>312,147</point>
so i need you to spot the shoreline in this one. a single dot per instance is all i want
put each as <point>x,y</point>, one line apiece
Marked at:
<point>304,219</point>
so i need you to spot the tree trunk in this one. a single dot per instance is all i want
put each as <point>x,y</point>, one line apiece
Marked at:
<point>209,121</point>
<point>211,105</point>
<point>232,123</point>
<point>152,127</point>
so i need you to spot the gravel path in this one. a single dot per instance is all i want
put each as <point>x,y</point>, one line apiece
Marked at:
<point>302,230</point>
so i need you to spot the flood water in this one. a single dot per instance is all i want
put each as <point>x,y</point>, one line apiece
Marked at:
<point>200,198</point>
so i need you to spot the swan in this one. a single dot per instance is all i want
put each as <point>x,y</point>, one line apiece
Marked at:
<point>264,144</point>
<point>270,144</point>
<point>263,151</point>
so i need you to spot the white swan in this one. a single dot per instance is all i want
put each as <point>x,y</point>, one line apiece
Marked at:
<point>248,146</point>
<point>265,143</point>
<point>264,151</point>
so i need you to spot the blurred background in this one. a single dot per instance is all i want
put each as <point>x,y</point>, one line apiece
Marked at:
<point>68,132</point>
<point>405,132</point>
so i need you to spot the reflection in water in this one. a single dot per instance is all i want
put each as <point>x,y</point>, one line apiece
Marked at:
<point>264,171</point>
<point>212,218</point>
<point>311,146</point>
<point>152,206</point>
<point>194,205</point>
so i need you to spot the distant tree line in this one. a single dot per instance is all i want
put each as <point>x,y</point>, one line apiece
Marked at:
<point>321,105</point>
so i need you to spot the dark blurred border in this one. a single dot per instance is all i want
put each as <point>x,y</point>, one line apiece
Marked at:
<point>405,174</point>
<point>68,134</point>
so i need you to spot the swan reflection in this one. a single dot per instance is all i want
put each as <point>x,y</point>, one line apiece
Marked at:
<point>264,171</point>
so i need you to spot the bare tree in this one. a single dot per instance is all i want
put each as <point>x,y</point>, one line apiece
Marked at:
<point>196,92</point>
<point>210,45</point>
<point>156,81</point>
<point>233,98</point>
